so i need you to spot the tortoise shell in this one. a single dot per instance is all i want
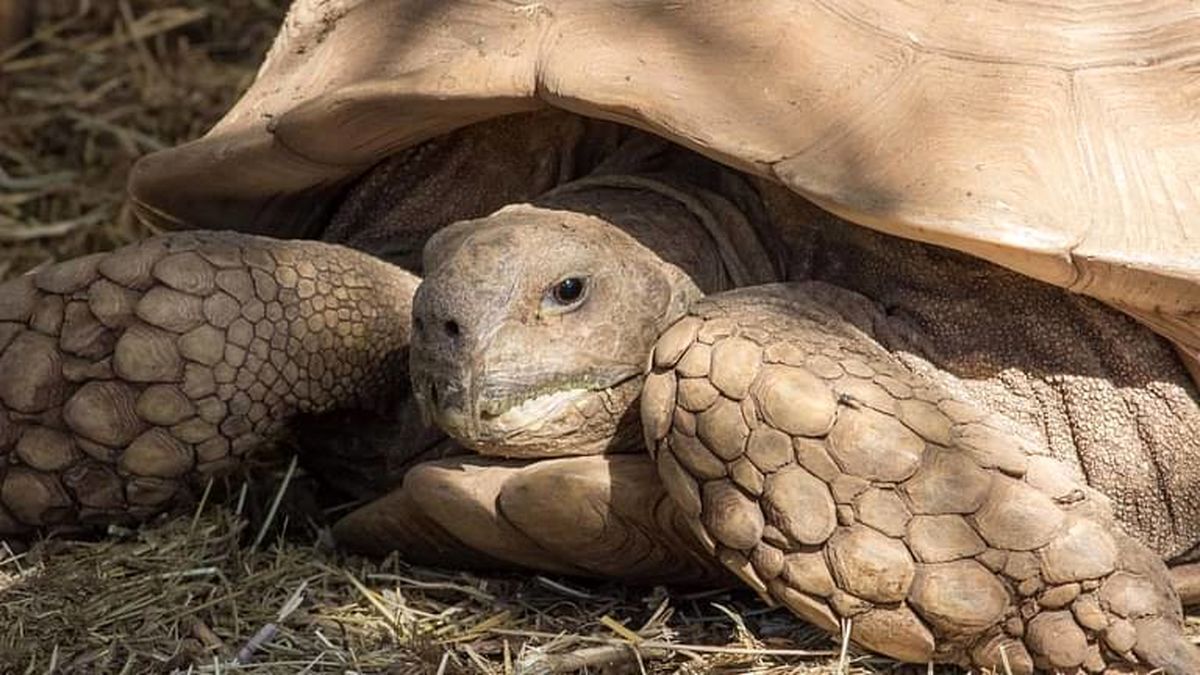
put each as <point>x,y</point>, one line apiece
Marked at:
<point>1059,139</point>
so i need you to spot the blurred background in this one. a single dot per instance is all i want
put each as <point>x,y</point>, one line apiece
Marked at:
<point>94,85</point>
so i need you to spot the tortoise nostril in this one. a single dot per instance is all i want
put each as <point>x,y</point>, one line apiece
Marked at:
<point>451,328</point>
<point>433,393</point>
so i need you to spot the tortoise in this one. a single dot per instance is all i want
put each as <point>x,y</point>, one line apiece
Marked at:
<point>960,423</point>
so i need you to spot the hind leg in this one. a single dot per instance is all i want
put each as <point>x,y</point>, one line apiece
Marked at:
<point>841,484</point>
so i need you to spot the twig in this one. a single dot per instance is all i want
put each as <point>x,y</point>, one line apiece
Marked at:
<point>1004,659</point>
<point>435,586</point>
<point>847,627</point>
<point>563,588</point>
<point>132,138</point>
<point>200,507</point>
<point>241,500</point>
<point>12,557</point>
<point>372,598</point>
<point>620,629</point>
<point>136,37</point>
<point>11,232</point>
<point>674,646</point>
<point>205,635</point>
<point>41,182</point>
<point>264,634</point>
<point>283,486</point>
<point>148,26</point>
<point>53,667</point>
<point>586,657</point>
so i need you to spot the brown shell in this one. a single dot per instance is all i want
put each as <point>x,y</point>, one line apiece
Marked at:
<point>1057,139</point>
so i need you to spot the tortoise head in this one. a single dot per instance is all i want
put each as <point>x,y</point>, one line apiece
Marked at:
<point>534,325</point>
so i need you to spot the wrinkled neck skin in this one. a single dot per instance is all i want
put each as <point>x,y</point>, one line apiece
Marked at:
<point>509,361</point>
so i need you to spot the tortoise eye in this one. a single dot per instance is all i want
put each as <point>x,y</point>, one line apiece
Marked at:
<point>569,291</point>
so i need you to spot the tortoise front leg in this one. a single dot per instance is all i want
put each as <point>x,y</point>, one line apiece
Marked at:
<point>850,489</point>
<point>601,516</point>
<point>126,375</point>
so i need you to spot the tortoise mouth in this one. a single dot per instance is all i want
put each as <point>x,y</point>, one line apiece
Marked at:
<point>517,415</point>
<point>572,415</point>
<point>498,403</point>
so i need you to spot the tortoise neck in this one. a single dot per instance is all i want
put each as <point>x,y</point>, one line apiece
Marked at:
<point>705,234</point>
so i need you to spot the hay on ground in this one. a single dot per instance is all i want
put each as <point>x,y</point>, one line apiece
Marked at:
<point>100,83</point>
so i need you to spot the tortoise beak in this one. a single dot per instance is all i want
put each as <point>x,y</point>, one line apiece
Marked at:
<point>445,396</point>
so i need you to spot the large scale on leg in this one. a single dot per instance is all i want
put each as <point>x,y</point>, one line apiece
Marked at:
<point>834,481</point>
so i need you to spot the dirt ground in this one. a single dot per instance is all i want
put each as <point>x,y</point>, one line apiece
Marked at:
<point>226,587</point>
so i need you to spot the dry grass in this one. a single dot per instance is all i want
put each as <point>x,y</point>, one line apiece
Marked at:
<point>100,84</point>
<point>188,595</point>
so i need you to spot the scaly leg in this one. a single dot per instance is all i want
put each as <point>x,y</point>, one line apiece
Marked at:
<point>127,376</point>
<point>846,487</point>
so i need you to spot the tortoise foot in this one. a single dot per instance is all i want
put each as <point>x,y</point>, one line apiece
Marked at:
<point>837,482</point>
<point>125,376</point>
<point>596,516</point>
